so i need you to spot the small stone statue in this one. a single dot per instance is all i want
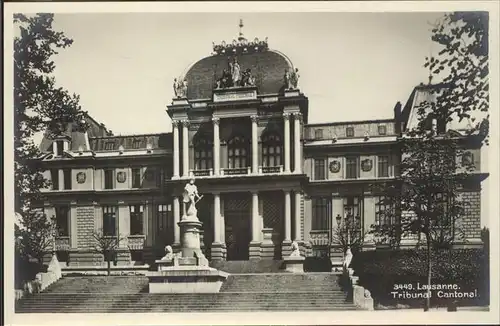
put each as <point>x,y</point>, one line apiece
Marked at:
<point>294,78</point>
<point>367,294</point>
<point>247,78</point>
<point>169,255</point>
<point>286,79</point>
<point>190,198</point>
<point>180,88</point>
<point>295,250</point>
<point>347,258</point>
<point>235,72</point>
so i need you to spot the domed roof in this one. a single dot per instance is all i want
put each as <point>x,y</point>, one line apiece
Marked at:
<point>267,66</point>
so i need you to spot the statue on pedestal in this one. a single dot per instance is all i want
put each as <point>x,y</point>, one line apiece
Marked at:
<point>292,79</point>
<point>180,88</point>
<point>190,198</point>
<point>235,72</point>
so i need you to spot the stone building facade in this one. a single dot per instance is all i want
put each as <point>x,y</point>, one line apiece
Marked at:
<point>268,177</point>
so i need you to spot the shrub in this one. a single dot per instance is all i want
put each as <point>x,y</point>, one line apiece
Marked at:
<point>317,264</point>
<point>380,271</point>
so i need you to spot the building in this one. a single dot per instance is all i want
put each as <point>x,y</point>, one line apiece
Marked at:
<point>267,176</point>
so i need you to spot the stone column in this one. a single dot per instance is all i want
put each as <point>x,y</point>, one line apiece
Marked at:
<point>286,118</point>
<point>177,218</point>
<point>217,243</point>
<point>185,148</point>
<point>298,200</point>
<point>216,142</point>
<point>288,216</point>
<point>217,224</point>
<point>296,140</point>
<point>255,145</point>
<point>175,131</point>
<point>255,243</point>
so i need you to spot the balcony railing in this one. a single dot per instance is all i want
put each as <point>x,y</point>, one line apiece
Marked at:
<point>136,242</point>
<point>62,243</point>
<point>202,173</point>
<point>236,171</point>
<point>271,169</point>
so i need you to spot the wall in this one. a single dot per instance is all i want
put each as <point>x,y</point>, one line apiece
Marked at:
<point>86,175</point>
<point>339,130</point>
<point>85,226</point>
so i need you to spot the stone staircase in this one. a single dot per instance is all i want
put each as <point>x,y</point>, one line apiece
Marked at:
<point>249,266</point>
<point>240,293</point>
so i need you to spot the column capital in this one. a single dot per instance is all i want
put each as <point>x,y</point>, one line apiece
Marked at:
<point>185,123</point>
<point>297,116</point>
<point>286,115</point>
<point>254,192</point>
<point>216,120</point>
<point>175,123</point>
<point>254,118</point>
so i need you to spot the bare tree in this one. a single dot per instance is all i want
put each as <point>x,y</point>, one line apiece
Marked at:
<point>106,245</point>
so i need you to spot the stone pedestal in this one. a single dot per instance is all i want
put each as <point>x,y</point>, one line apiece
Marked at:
<point>187,271</point>
<point>294,264</point>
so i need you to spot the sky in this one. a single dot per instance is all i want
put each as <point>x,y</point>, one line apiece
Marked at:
<point>353,66</point>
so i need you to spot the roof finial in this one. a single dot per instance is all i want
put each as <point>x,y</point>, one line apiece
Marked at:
<point>241,37</point>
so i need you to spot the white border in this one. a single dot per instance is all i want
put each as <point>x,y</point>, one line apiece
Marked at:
<point>292,318</point>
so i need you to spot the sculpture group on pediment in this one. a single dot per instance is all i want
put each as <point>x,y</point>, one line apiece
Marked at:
<point>292,78</point>
<point>180,87</point>
<point>234,77</point>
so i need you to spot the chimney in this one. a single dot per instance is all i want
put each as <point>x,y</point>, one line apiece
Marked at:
<point>397,118</point>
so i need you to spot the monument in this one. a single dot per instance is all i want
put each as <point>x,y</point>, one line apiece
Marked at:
<point>295,262</point>
<point>187,271</point>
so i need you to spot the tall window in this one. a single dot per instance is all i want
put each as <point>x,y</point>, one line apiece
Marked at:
<point>352,206</point>
<point>351,165</point>
<point>383,211</point>
<point>54,177</point>
<point>136,219</point>
<point>136,177</point>
<point>108,179</point>
<point>67,179</point>
<point>164,220</point>
<point>319,169</point>
<point>321,208</point>
<point>383,166</point>
<point>237,150</point>
<point>109,220</point>
<point>271,149</point>
<point>203,153</point>
<point>62,221</point>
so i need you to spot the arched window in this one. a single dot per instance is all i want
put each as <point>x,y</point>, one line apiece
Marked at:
<point>203,153</point>
<point>272,148</point>
<point>237,152</point>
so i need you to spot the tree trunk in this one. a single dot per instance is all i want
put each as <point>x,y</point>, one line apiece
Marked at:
<point>429,275</point>
<point>109,266</point>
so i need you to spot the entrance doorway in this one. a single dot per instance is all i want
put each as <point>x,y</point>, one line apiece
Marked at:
<point>237,227</point>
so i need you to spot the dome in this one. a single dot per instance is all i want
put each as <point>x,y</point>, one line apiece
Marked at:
<point>267,66</point>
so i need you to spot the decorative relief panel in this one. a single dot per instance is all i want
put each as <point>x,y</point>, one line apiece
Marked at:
<point>367,165</point>
<point>121,177</point>
<point>235,96</point>
<point>81,177</point>
<point>334,166</point>
<point>319,238</point>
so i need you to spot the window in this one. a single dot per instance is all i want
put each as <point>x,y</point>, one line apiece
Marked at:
<point>54,177</point>
<point>349,132</point>
<point>67,179</point>
<point>354,211</point>
<point>136,177</point>
<point>109,220</point>
<point>383,166</point>
<point>108,179</point>
<point>383,211</point>
<point>319,169</point>
<point>164,220</point>
<point>382,130</point>
<point>321,213</point>
<point>136,219</point>
<point>318,134</point>
<point>62,221</point>
<point>203,152</point>
<point>60,147</point>
<point>237,153</point>
<point>160,176</point>
<point>351,164</point>
<point>271,150</point>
